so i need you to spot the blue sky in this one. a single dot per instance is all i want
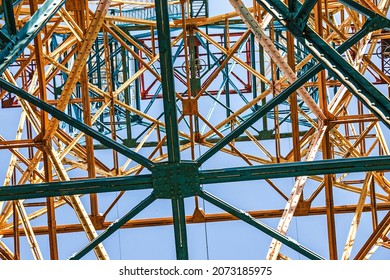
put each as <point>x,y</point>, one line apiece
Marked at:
<point>227,240</point>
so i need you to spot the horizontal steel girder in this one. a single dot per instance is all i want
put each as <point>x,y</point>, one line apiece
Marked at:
<point>250,173</point>
<point>76,187</point>
<point>294,169</point>
<point>191,219</point>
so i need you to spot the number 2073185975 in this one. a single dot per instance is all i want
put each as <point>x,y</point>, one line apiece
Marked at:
<point>250,270</point>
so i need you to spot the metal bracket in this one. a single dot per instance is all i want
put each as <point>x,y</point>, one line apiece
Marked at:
<point>303,208</point>
<point>97,221</point>
<point>175,180</point>
<point>190,107</point>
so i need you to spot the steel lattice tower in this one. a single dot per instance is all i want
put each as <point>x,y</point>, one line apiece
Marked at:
<point>120,116</point>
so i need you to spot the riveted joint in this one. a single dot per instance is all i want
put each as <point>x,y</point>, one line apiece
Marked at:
<point>175,180</point>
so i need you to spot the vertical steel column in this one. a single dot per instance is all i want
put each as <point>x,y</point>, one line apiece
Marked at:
<point>326,149</point>
<point>374,209</point>
<point>109,62</point>
<point>137,85</point>
<point>51,221</point>
<point>179,222</point>
<point>275,77</point>
<point>194,81</point>
<point>9,17</point>
<point>167,80</point>
<point>99,78</point>
<point>81,17</point>
<point>253,64</point>
<point>293,97</point>
<point>262,84</point>
<point>170,114</point>
<point>16,231</point>
<point>226,40</point>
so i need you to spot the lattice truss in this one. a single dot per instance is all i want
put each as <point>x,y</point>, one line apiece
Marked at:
<point>123,116</point>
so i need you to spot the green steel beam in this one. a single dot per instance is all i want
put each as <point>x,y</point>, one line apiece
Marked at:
<point>15,2</point>
<point>167,80</point>
<point>292,6</point>
<point>248,173</point>
<point>9,29</point>
<point>9,17</point>
<point>244,216</point>
<point>179,224</point>
<point>76,187</point>
<point>28,32</point>
<point>303,14</point>
<point>283,95</point>
<point>114,227</point>
<point>175,180</point>
<point>4,38</point>
<point>295,169</point>
<point>171,126</point>
<point>77,124</point>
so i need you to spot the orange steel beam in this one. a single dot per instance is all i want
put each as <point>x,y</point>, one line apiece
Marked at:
<point>206,218</point>
<point>326,149</point>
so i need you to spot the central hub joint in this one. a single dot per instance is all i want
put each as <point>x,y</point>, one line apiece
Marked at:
<point>175,180</point>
